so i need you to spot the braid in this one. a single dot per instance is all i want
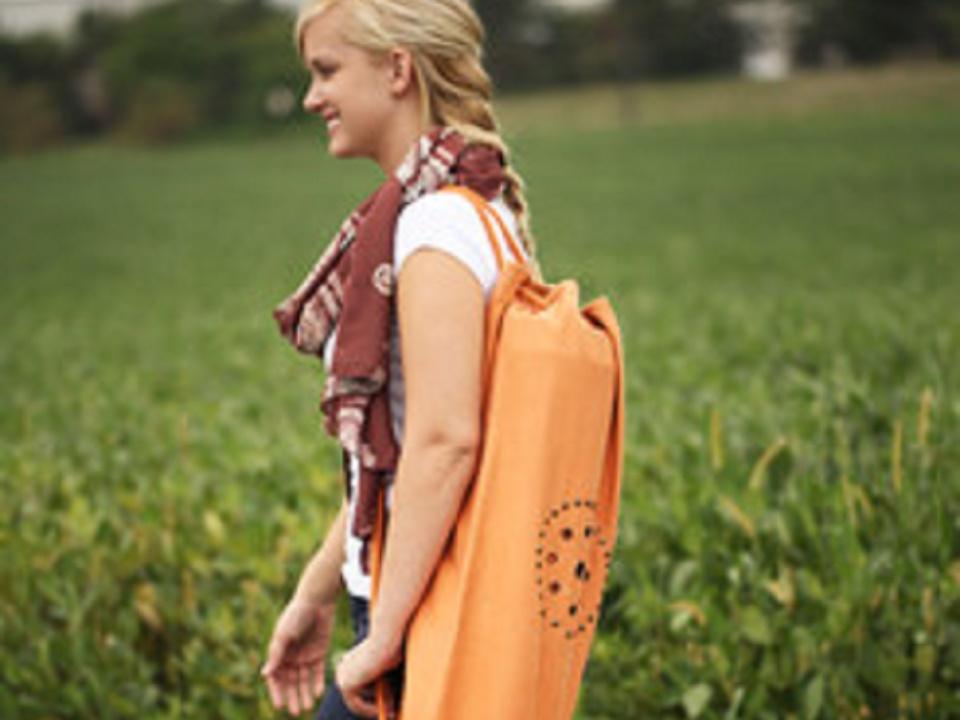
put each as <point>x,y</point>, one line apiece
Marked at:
<point>461,97</point>
<point>516,199</point>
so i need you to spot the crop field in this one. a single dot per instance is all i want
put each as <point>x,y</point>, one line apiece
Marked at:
<point>785,265</point>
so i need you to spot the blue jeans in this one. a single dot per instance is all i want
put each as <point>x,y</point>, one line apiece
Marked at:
<point>332,706</point>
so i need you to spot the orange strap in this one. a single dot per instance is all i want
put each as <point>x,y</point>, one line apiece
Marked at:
<point>536,293</point>
<point>376,550</point>
<point>485,212</point>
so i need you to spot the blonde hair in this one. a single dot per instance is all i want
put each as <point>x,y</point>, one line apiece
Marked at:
<point>445,39</point>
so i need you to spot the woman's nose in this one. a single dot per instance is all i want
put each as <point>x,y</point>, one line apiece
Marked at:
<point>312,99</point>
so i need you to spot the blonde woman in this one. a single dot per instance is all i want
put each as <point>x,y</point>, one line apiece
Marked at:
<point>400,82</point>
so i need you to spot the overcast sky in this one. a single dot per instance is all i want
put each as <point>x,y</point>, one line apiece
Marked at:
<point>24,16</point>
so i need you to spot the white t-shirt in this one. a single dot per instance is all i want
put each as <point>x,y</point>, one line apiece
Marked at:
<point>448,222</point>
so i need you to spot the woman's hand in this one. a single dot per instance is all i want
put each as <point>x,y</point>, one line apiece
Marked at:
<point>359,669</point>
<point>297,651</point>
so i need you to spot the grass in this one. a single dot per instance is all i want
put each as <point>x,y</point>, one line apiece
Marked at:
<point>670,103</point>
<point>783,261</point>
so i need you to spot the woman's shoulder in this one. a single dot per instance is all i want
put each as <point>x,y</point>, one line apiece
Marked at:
<point>449,222</point>
<point>446,207</point>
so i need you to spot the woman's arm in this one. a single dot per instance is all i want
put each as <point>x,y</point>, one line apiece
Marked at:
<point>440,308</point>
<point>320,582</point>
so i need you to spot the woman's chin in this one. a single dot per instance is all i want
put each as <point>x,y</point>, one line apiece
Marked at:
<point>334,144</point>
<point>339,149</point>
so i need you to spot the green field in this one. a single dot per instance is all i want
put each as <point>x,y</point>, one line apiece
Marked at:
<point>784,262</point>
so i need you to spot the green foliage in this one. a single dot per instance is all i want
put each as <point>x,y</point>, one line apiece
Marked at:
<point>225,55</point>
<point>534,46</point>
<point>36,58</point>
<point>786,291</point>
<point>173,67</point>
<point>34,100</point>
<point>29,117</point>
<point>945,22</point>
<point>875,30</point>
<point>161,110</point>
<point>665,38</point>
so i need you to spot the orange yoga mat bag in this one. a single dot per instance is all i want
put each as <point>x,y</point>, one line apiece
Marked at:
<point>505,626</point>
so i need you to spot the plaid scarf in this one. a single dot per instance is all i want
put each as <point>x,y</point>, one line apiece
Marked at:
<point>351,287</point>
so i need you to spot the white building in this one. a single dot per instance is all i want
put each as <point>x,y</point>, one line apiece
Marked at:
<point>576,5</point>
<point>771,27</point>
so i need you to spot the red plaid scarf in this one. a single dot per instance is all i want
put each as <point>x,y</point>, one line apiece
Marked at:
<point>352,287</point>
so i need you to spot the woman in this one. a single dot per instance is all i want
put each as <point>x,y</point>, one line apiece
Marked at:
<point>400,82</point>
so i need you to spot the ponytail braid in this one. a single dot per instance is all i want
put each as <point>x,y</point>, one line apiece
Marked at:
<point>462,99</point>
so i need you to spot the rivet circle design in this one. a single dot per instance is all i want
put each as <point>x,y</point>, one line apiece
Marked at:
<point>571,564</point>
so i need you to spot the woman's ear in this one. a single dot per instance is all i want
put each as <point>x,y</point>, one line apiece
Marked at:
<point>400,69</point>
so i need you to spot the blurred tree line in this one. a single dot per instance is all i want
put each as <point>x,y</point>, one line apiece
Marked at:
<point>168,70</point>
<point>182,66</point>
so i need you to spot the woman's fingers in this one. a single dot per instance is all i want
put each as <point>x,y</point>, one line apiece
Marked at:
<point>296,689</point>
<point>275,689</point>
<point>318,682</point>
<point>280,684</point>
<point>292,695</point>
<point>361,702</point>
<point>275,652</point>
<point>305,687</point>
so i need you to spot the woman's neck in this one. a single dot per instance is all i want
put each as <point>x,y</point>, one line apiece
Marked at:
<point>397,142</point>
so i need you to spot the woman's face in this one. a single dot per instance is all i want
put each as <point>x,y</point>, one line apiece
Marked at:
<point>348,87</point>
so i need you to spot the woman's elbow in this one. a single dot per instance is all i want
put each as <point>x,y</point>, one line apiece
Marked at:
<point>448,444</point>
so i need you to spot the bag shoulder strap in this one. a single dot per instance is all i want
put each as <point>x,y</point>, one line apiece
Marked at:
<point>486,212</point>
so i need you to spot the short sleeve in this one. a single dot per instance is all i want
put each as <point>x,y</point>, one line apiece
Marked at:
<point>450,223</point>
